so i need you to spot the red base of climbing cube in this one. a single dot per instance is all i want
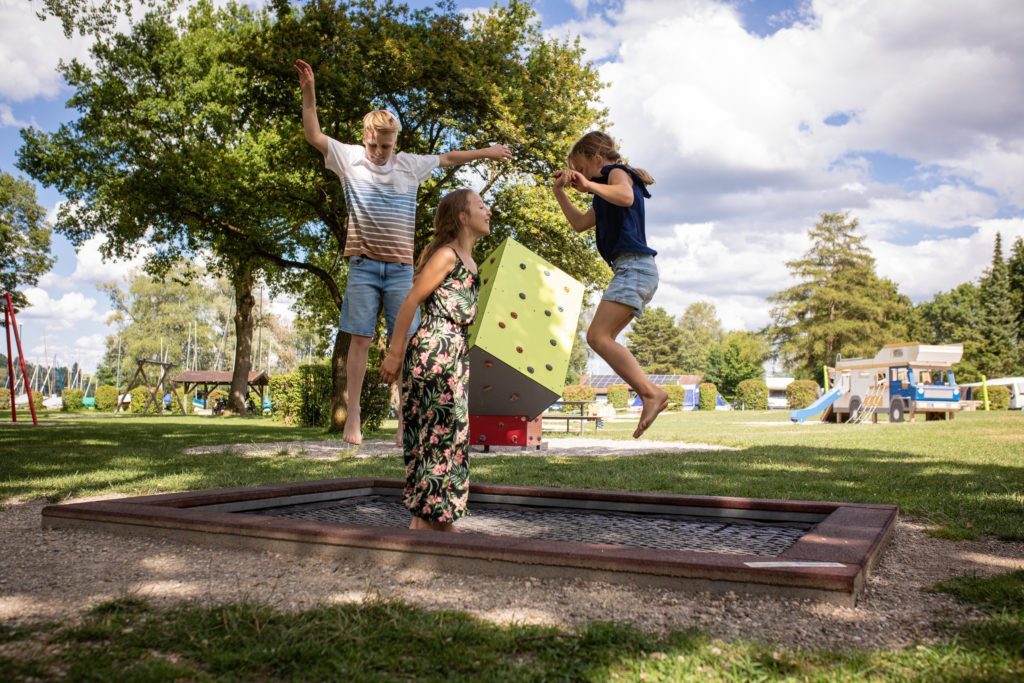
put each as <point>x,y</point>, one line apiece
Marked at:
<point>504,430</point>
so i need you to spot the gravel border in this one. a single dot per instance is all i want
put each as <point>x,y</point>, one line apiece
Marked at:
<point>57,574</point>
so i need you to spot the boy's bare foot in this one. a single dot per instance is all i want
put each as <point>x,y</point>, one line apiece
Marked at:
<point>653,405</point>
<point>353,434</point>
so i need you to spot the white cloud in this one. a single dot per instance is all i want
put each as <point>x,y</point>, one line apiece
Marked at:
<point>59,314</point>
<point>30,51</point>
<point>91,268</point>
<point>8,119</point>
<point>932,266</point>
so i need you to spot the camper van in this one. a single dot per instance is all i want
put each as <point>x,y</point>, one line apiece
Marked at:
<point>1014,384</point>
<point>902,379</point>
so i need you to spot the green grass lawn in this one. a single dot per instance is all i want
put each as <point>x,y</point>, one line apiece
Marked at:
<point>966,476</point>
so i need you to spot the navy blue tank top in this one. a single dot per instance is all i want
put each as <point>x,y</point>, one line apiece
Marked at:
<point>620,229</point>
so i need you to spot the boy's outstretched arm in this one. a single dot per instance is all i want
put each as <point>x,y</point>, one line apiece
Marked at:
<point>495,152</point>
<point>310,123</point>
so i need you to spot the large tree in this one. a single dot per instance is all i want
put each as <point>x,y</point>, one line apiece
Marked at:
<point>699,331</point>
<point>24,238</point>
<point>839,306</point>
<point>165,155</point>
<point>997,352</point>
<point>653,339</point>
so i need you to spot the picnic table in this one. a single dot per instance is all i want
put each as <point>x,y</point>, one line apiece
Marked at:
<point>582,418</point>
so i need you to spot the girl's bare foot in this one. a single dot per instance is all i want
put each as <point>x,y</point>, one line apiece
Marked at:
<point>653,405</point>
<point>420,524</point>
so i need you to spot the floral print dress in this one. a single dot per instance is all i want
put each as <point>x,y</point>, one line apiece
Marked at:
<point>436,404</point>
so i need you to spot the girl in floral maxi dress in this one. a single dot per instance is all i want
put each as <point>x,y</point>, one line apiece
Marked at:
<point>436,364</point>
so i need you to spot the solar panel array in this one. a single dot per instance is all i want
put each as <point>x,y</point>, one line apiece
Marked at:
<point>605,381</point>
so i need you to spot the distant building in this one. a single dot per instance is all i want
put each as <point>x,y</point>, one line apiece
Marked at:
<point>777,392</point>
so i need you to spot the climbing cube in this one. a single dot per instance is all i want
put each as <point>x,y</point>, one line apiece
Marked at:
<point>523,335</point>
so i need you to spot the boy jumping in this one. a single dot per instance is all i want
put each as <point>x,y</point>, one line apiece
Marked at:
<point>380,187</point>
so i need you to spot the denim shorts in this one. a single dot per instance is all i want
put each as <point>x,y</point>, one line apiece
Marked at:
<point>370,285</point>
<point>634,282</point>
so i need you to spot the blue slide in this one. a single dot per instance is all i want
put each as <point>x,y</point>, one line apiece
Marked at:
<point>823,402</point>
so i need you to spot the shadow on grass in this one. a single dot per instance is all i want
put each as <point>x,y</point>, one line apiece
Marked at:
<point>129,639</point>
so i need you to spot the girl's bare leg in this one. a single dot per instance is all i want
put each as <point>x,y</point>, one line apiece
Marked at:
<point>609,320</point>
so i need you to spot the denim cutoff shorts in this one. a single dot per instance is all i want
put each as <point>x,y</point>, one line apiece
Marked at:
<point>370,285</point>
<point>634,282</point>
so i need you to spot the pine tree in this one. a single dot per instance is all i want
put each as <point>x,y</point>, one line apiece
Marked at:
<point>654,341</point>
<point>1015,266</point>
<point>839,305</point>
<point>997,354</point>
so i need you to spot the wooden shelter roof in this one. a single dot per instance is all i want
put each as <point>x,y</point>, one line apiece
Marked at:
<point>256,378</point>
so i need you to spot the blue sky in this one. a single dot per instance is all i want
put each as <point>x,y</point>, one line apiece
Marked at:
<point>753,115</point>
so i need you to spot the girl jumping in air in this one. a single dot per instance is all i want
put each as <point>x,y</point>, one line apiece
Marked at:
<point>596,168</point>
<point>436,364</point>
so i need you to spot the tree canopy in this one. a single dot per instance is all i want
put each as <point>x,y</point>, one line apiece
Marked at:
<point>24,238</point>
<point>699,330</point>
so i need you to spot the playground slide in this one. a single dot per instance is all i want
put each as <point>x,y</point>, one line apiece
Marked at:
<point>823,402</point>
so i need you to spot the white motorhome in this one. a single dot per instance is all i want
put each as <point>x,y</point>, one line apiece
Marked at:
<point>902,379</point>
<point>1014,384</point>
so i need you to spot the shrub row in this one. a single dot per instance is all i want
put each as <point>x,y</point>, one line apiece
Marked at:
<point>752,394</point>
<point>708,396</point>
<point>801,393</point>
<point>304,397</point>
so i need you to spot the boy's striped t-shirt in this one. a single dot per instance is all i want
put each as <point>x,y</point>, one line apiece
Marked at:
<point>381,200</point>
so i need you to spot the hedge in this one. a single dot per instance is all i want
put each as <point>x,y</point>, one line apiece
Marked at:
<point>801,393</point>
<point>618,395</point>
<point>578,392</point>
<point>676,396</point>
<point>708,396</point>
<point>314,388</point>
<point>106,397</point>
<point>140,396</point>
<point>72,399</point>
<point>752,394</point>
<point>285,397</point>
<point>998,397</point>
<point>5,398</point>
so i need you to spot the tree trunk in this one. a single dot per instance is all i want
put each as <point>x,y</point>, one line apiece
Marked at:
<point>244,303</point>
<point>339,381</point>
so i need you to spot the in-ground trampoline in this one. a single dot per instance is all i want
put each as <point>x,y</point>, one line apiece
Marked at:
<point>794,548</point>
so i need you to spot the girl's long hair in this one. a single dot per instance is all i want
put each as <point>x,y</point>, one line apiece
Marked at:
<point>597,143</point>
<point>446,223</point>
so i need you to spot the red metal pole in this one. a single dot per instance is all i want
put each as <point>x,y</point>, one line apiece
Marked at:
<point>21,360</point>
<point>10,365</point>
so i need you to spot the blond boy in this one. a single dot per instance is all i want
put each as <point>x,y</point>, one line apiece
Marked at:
<point>380,188</point>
